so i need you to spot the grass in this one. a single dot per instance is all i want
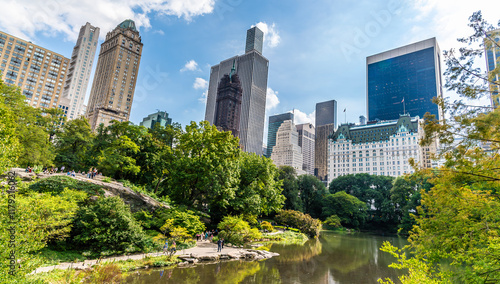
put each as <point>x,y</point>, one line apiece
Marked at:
<point>107,179</point>
<point>53,257</point>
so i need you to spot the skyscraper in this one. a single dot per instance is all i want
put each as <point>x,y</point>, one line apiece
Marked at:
<point>287,151</point>
<point>326,121</point>
<point>404,79</point>
<point>160,117</point>
<point>80,66</point>
<point>39,73</point>
<point>275,122</point>
<point>252,69</point>
<point>228,105</point>
<point>307,137</point>
<point>255,40</point>
<point>492,50</point>
<point>115,77</point>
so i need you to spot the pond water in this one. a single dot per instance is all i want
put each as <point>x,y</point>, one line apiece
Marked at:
<point>332,258</point>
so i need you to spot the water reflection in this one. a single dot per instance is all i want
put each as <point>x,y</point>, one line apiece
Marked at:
<point>333,258</point>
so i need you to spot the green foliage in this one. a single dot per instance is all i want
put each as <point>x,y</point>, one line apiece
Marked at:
<point>11,101</point>
<point>181,218</point>
<point>73,144</point>
<point>117,161</point>
<point>312,191</point>
<point>56,185</point>
<point>267,226</point>
<point>290,188</point>
<point>333,222</point>
<point>236,231</point>
<point>108,225</point>
<point>350,210</point>
<point>304,222</point>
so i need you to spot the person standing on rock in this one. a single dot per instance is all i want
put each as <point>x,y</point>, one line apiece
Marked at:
<point>219,245</point>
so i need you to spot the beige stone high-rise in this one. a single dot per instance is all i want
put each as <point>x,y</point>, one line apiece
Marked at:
<point>115,76</point>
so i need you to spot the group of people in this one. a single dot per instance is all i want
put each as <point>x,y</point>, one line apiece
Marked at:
<point>173,247</point>
<point>207,236</point>
<point>92,173</point>
<point>45,170</point>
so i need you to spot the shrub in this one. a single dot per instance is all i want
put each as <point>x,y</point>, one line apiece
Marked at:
<point>267,226</point>
<point>236,231</point>
<point>56,184</point>
<point>333,222</point>
<point>304,222</point>
<point>107,225</point>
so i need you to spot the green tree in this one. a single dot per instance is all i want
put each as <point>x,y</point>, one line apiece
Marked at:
<point>73,144</point>
<point>11,101</point>
<point>203,173</point>
<point>312,191</point>
<point>116,160</point>
<point>108,225</point>
<point>351,211</point>
<point>290,188</point>
<point>304,222</point>
<point>236,231</point>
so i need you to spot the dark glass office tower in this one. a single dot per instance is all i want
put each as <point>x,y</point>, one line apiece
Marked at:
<point>252,69</point>
<point>326,121</point>
<point>275,122</point>
<point>404,79</point>
<point>228,106</point>
<point>255,40</point>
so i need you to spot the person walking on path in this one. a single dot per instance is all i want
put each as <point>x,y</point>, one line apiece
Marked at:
<point>165,247</point>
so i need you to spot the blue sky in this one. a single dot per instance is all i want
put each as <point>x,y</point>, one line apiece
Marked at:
<point>317,50</point>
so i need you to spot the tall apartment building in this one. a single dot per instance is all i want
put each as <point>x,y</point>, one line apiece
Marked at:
<point>228,105</point>
<point>252,70</point>
<point>307,137</point>
<point>39,72</point>
<point>115,77</point>
<point>326,121</point>
<point>287,151</point>
<point>404,79</point>
<point>382,148</point>
<point>492,51</point>
<point>275,122</point>
<point>80,67</point>
<point>160,117</point>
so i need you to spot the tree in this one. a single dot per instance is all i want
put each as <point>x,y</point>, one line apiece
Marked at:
<point>235,230</point>
<point>304,222</point>
<point>458,220</point>
<point>351,211</point>
<point>312,191</point>
<point>108,225</point>
<point>116,160</point>
<point>259,191</point>
<point>290,188</point>
<point>203,173</point>
<point>73,144</point>
<point>10,101</point>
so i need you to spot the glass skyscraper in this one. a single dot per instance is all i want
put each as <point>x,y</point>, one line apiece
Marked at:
<point>326,121</point>
<point>275,122</point>
<point>252,69</point>
<point>492,50</point>
<point>404,80</point>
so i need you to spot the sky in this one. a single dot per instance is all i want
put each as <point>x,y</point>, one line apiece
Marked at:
<point>316,49</point>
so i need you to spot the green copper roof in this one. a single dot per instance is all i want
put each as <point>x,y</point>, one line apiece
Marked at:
<point>128,24</point>
<point>375,132</point>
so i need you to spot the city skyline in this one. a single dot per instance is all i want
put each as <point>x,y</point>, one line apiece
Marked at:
<point>329,44</point>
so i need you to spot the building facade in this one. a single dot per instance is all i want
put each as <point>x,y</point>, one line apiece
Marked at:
<point>252,70</point>
<point>326,121</point>
<point>492,51</point>
<point>275,122</point>
<point>228,104</point>
<point>160,117</point>
<point>287,151</point>
<point>80,67</point>
<point>382,148</point>
<point>307,137</point>
<point>404,80</point>
<point>38,72</point>
<point>115,77</point>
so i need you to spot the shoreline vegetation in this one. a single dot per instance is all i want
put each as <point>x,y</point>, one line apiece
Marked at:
<point>115,269</point>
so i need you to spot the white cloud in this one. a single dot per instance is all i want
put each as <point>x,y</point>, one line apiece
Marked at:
<point>191,65</point>
<point>160,32</point>
<point>26,18</point>
<point>271,99</point>
<point>271,35</point>
<point>203,98</point>
<point>200,83</point>
<point>300,117</point>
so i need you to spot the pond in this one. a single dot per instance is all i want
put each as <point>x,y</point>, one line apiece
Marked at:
<point>332,258</point>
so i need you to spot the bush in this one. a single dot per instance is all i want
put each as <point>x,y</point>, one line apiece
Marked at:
<point>107,225</point>
<point>333,222</point>
<point>304,222</point>
<point>181,218</point>
<point>267,226</point>
<point>56,184</point>
<point>236,231</point>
